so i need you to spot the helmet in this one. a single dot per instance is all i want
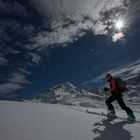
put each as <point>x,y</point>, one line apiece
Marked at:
<point>108,75</point>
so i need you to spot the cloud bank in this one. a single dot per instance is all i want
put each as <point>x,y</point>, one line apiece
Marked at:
<point>69,18</point>
<point>126,71</point>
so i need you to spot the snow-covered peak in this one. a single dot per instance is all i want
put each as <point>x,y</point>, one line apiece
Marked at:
<point>67,87</point>
<point>69,94</point>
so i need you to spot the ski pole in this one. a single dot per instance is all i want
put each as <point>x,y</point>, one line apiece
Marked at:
<point>106,99</point>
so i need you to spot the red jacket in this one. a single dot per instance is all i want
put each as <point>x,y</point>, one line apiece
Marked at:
<point>113,86</point>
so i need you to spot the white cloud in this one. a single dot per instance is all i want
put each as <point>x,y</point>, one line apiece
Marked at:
<point>9,88</point>
<point>17,80</point>
<point>126,71</point>
<point>68,18</point>
<point>117,36</point>
<point>3,61</point>
<point>24,71</point>
<point>61,35</point>
<point>100,28</point>
<point>74,9</point>
<point>35,58</point>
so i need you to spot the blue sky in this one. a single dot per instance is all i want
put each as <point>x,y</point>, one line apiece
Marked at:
<point>45,43</point>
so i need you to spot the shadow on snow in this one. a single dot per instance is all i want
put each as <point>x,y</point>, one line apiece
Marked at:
<point>112,130</point>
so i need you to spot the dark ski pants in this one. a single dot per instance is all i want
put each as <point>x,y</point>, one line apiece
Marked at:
<point>117,97</point>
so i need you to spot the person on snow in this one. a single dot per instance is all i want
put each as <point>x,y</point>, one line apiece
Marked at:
<point>116,95</point>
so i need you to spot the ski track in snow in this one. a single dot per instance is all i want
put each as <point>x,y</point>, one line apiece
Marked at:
<point>38,121</point>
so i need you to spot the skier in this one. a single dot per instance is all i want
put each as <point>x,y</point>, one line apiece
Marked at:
<point>116,94</point>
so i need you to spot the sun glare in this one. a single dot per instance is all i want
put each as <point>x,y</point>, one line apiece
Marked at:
<point>119,24</point>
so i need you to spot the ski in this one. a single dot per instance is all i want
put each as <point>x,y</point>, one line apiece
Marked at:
<point>118,117</point>
<point>114,117</point>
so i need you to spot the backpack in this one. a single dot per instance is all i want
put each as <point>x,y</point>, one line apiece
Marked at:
<point>121,84</point>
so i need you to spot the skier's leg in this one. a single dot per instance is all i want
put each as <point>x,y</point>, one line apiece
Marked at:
<point>123,105</point>
<point>109,101</point>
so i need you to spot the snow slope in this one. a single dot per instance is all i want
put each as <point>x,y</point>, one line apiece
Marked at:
<point>38,121</point>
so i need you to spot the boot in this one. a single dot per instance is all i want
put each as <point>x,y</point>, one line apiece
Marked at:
<point>111,114</point>
<point>131,116</point>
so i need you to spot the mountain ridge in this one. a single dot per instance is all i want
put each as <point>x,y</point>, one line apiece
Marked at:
<point>68,94</point>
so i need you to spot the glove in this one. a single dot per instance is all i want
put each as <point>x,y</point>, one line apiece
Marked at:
<point>106,89</point>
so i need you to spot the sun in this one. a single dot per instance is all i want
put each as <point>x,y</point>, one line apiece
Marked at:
<point>119,24</point>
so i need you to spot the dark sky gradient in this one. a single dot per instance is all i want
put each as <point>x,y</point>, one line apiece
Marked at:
<point>81,61</point>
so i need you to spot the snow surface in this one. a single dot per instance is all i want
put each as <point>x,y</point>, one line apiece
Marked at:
<point>38,121</point>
